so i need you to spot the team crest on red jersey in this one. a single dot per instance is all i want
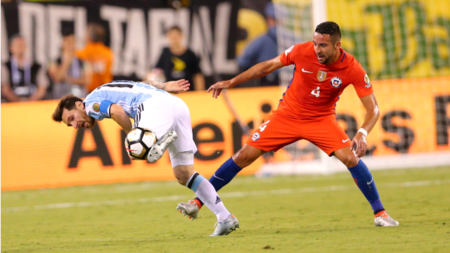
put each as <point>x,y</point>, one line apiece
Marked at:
<point>336,82</point>
<point>321,75</point>
<point>255,136</point>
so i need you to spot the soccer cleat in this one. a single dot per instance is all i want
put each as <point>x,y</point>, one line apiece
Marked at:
<point>225,227</point>
<point>382,219</point>
<point>158,149</point>
<point>189,209</point>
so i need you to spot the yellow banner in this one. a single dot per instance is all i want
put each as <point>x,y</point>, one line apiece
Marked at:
<point>39,153</point>
<point>395,38</point>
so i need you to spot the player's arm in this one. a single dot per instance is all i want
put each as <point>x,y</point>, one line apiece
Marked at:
<point>121,117</point>
<point>172,86</point>
<point>257,71</point>
<point>359,143</point>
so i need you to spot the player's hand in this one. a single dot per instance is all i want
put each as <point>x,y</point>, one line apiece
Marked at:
<point>359,145</point>
<point>218,87</point>
<point>177,86</point>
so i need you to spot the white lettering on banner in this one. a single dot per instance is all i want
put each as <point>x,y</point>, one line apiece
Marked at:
<point>221,63</point>
<point>159,21</point>
<point>138,49</point>
<point>135,53</point>
<point>56,14</point>
<point>33,14</point>
<point>198,43</point>
<point>116,16</point>
<point>5,55</point>
<point>183,21</point>
<point>80,26</point>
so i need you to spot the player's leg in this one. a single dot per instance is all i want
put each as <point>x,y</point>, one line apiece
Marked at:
<point>182,157</point>
<point>271,135</point>
<point>226,172</point>
<point>183,169</point>
<point>331,138</point>
<point>366,184</point>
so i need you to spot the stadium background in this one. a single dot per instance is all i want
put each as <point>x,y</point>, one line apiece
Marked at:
<point>404,46</point>
<point>115,205</point>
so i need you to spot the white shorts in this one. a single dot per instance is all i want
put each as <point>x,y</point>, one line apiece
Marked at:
<point>164,113</point>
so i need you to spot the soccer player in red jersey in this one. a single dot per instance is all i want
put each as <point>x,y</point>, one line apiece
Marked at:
<point>307,111</point>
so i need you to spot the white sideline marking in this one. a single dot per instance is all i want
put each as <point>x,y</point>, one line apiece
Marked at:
<point>226,195</point>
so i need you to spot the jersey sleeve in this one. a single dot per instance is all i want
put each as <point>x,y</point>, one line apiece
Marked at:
<point>288,57</point>
<point>361,82</point>
<point>98,108</point>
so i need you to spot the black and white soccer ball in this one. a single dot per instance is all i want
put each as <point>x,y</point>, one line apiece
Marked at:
<point>139,141</point>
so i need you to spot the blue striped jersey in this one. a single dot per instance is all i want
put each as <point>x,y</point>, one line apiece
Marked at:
<point>127,94</point>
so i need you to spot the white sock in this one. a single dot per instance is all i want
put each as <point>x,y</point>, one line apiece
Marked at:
<point>206,192</point>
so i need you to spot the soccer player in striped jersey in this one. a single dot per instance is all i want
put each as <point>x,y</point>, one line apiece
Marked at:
<point>307,111</point>
<point>152,107</point>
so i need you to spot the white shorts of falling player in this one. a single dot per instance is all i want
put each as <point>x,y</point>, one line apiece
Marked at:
<point>164,113</point>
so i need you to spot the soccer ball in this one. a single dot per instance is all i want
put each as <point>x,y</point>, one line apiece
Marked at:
<point>139,141</point>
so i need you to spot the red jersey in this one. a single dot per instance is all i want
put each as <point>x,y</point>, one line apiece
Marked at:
<point>315,87</point>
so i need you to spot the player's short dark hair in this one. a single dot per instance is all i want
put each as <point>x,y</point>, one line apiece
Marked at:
<point>175,28</point>
<point>330,28</point>
<point>96,32</point>
<point>67,102</point>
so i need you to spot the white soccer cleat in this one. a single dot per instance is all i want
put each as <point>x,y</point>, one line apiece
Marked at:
<point>158,149</point>
<point>383,219</point>
<point>225,227</point>
<point>189,209</point>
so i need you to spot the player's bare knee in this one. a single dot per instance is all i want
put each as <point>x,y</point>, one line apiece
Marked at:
<point>350,160</point>
<point>182,176</point>
<point>242,158</point>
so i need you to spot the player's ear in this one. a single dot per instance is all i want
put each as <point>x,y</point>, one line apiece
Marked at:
<point>79,105</point>
<point>338,44</point>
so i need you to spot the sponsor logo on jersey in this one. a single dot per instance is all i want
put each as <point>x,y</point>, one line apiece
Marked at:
<point>255,136</point>
<point>96,107</point>
<point>306,71</point>
<point>367,81</point>
<point>321,75</point>
<point>336,82</point>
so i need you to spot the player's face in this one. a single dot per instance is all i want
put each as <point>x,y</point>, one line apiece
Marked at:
<point>77,117</point>
<point>325,49</point>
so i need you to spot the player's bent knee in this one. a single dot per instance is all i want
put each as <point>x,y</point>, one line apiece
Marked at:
<point>246,156</point>
<point>182,174</point>
<point>350,160</point>
<point>183,166</point>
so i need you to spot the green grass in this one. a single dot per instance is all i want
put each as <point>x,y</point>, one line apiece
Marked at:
<point>278,214</point>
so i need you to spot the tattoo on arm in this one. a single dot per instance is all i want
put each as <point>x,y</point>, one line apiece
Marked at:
<point>157,85</point>
<point>258,75</point>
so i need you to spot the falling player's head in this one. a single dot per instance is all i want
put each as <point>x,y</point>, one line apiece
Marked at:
<point>327,41</point>
<point>70,110</point>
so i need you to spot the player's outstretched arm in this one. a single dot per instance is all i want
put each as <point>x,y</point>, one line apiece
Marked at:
<point>359,143</point>
<point>257,71</point>
<point>121,117</point>
<point>172,86</point>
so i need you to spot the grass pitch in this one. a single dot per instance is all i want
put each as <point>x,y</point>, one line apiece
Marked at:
<point>277,214</point>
